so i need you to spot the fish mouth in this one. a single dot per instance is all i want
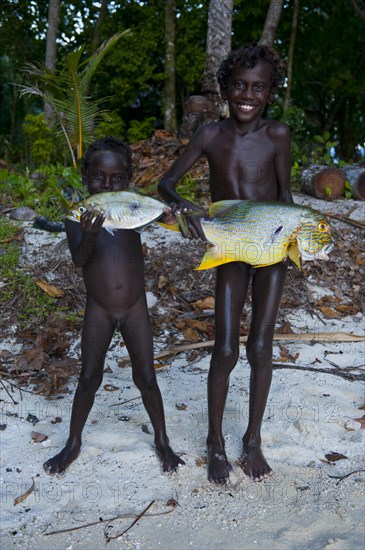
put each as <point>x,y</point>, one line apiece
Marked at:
<point>73,216</point>
<point>321,254</point>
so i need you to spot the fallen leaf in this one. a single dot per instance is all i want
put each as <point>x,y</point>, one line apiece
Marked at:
<point>162,280</point>
<point>361,421</point>
<point>171,502</point>
<point>334,457</point>
<point>38,437</point>
<point>349,310</point>
<point>206,303</point>
<point>191,335</point>
<point>51,290</point>
<point>201,460</point>
<point>285,328</point>
<point>359,260</point>
<point>110,387</point>
<point>329,312</point>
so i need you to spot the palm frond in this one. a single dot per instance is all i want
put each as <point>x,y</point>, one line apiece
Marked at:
<point>68,93</point>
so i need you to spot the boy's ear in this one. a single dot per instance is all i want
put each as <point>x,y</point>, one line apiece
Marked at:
<point>271,97</point>
<point>83,176</point>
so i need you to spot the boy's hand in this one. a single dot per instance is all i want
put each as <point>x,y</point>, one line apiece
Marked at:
<point>168,217</point>
<point>193,226</point>
<point>91,223</point>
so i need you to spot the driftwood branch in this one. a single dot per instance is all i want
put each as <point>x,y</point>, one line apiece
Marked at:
<point>314,337</point>
<point>356,223</point>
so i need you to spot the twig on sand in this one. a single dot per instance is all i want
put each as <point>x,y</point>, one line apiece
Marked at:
<point>171,502</point>
<point>110,537</point>
<point>341,478</point>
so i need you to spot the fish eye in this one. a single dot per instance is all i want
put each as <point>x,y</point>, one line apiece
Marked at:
<point>322,226</point>
<point>135,205</point>
<point>82,209</point>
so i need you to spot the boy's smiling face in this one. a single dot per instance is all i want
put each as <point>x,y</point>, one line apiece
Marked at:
<point>249,91</point>
<point>107,171</point>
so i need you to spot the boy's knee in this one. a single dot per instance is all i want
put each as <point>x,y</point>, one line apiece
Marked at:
<point>226,356</point>
<point>89,384</point>
<point>259,352</point>
<point>145,381</point>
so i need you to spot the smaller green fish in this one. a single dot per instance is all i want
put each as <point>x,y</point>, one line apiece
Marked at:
<point>122,210</point>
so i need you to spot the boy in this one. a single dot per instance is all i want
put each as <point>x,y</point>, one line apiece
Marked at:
<point>249,158</point>
<point>115,299</point>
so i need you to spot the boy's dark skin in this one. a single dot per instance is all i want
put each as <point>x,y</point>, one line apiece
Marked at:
<point>114,279</point>
<point>249,158</point>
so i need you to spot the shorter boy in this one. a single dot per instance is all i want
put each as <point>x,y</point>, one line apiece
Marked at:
<point>113,273</point>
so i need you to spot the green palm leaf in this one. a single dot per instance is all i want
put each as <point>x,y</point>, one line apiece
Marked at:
<point>68,93</point>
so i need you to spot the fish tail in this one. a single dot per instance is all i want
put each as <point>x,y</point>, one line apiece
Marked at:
<point>212,259</point>
<point>172,226</point>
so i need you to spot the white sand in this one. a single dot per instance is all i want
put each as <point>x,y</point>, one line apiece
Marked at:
<point>308,415</point>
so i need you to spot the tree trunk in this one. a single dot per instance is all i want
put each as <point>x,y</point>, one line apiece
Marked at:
<point>101,16</point>
<point>209,107</point>
<point>355,175</point>
<point>169,88</point>
<point>291,54</point>
<point>323,182</point>
<point>51,47</point>
<point>218,42</point>
<point>271,22</point>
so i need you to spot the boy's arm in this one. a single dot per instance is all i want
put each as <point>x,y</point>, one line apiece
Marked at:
<point>167,185</point>
<point>282,142</point>
<point>82,236</point>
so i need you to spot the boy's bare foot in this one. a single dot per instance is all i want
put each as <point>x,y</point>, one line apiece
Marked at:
<point>170,460</point>
<point>218,465</point>
<point>253,461</point>
<point>60,462</point>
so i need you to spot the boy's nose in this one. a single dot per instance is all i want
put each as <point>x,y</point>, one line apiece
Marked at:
<point>248,92</point>
<point>107,184</point>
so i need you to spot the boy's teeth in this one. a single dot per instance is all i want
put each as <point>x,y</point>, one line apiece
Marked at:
<point>246,107</point>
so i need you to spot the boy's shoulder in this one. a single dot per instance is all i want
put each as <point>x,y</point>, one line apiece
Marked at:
<point>276,129</point>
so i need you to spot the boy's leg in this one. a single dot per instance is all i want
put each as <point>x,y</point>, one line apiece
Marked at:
<point>96,336</point>
<point>231,290</point>
<point>267,288</point>
<point>137,335</point>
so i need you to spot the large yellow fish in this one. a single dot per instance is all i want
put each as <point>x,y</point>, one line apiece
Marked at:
<point>264,233</point>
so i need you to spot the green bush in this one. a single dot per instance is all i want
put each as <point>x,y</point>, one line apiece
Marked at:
<point>139,130</point>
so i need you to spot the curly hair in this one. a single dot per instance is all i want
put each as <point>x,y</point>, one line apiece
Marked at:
<point>110,143</point>
<point>248,56</point>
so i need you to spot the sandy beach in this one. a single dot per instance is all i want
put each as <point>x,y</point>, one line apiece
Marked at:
<point>313,411</point>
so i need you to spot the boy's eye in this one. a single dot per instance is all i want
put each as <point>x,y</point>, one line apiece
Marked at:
<point>97,175</point>
<point>117,177</point>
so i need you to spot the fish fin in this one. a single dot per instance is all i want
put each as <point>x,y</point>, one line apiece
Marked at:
<point>173,226</point>
<point>212,259</point>
<point>294,254</point>
<point>217,208</point>
<point>109,230</point>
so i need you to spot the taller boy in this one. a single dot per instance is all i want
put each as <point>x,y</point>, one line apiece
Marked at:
<point>249,158</point>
